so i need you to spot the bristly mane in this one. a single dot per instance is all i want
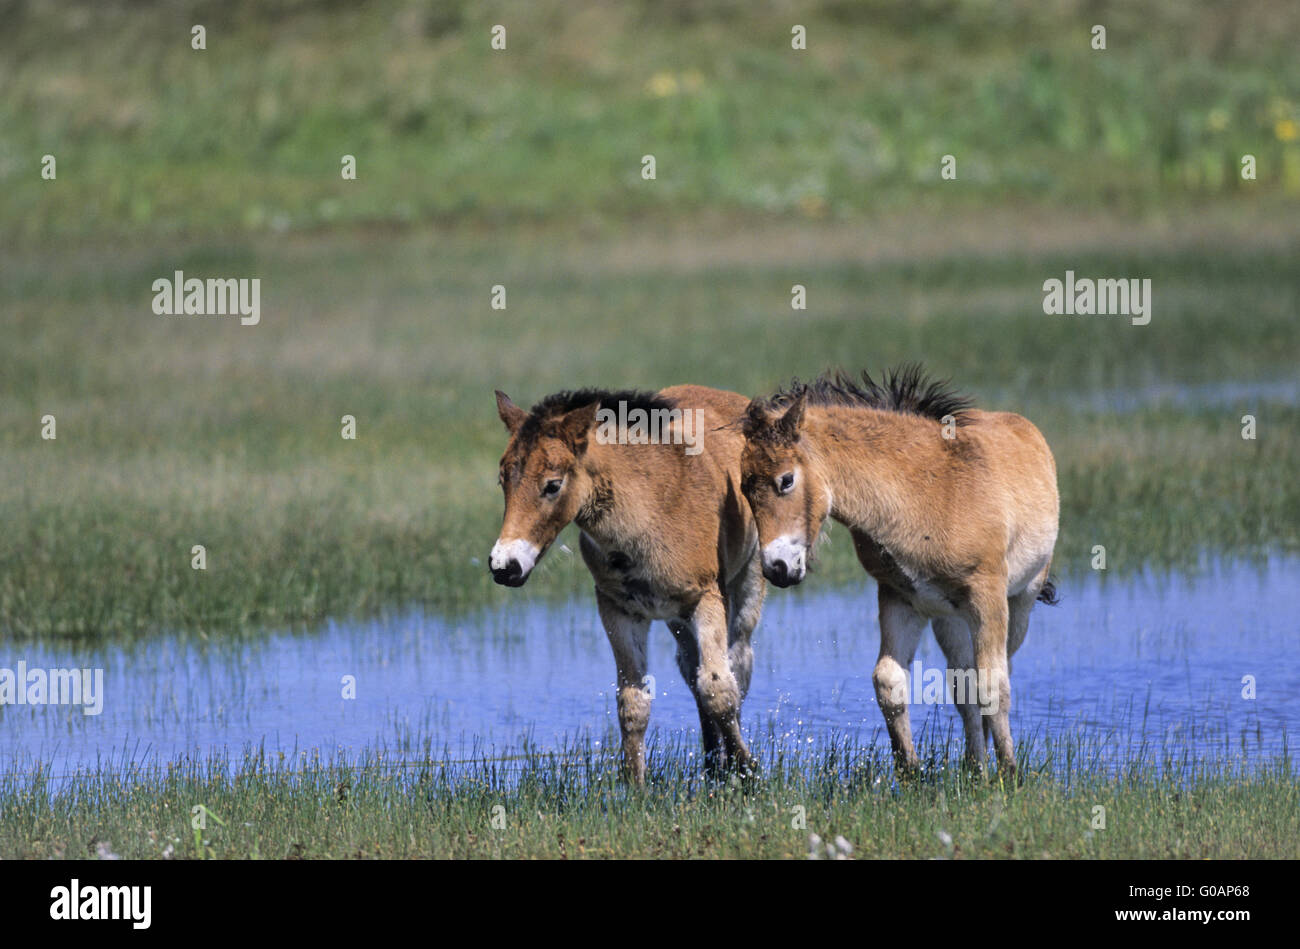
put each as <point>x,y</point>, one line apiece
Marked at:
<point>561,403</point>
<point>904,389</point>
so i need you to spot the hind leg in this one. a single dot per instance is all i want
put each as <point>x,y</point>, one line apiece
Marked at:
<point>987,614</point>
<point>954,639</point>
<point>900,630</point>
<point>1018,608</point>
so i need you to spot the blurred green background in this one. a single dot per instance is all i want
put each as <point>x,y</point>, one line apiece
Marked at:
<point>155,138</point>
<point>522,168</point>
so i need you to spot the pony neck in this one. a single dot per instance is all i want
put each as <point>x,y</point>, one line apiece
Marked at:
<point>593,515</point>
<point>855,450</point>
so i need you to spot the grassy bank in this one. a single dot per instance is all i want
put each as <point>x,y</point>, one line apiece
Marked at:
<point>246,136</point>
<point>572,806</point>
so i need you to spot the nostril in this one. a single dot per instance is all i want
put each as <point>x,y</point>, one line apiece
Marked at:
<point>780,568</point>
<point>511,571</point>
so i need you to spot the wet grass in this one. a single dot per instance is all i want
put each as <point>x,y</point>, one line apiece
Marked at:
<point>571,804</point>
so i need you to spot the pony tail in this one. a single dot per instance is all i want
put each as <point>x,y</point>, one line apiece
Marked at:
<point>1048,593</point>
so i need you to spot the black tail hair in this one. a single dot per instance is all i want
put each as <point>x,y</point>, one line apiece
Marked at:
<point>1048,593</point>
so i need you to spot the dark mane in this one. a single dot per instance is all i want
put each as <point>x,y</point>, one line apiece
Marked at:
<point>561,403</point>
<point>904,389</point>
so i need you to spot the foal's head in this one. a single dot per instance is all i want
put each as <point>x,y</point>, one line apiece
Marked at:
<point>544,484</point>
<point>786,493</point>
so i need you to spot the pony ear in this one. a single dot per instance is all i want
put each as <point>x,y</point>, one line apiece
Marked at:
<point>792,421</point>
<point>755,418</point>
<point>573,427</point>
<point>512,415</point>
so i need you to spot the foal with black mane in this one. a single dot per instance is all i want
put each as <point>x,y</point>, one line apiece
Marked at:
<point>665,534</point>
<point>952,510</point>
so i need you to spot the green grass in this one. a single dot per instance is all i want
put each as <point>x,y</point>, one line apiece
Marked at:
<point>153,137</point>
<point>175,432</point>
<point>572,805</point>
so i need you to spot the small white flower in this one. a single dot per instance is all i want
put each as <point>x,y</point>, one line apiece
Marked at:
<point>814,847</point>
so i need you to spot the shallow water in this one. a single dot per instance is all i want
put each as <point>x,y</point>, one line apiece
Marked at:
<point>1152,661</point>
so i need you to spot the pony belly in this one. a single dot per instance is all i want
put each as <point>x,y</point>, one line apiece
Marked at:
<point>639,598</point>
<point>929,600</point>
<point>922,593</point>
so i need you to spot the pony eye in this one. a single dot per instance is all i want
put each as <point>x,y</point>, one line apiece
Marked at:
<point>552,487</point>
<point>786,484</point>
